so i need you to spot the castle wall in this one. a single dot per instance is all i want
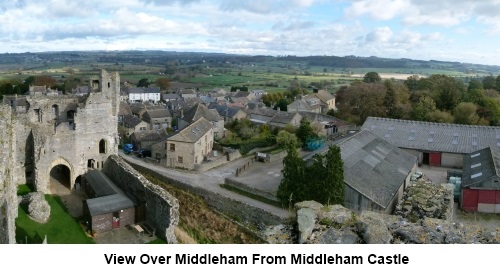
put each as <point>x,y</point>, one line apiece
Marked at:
<point>161,208</point>
<point>8,186</point>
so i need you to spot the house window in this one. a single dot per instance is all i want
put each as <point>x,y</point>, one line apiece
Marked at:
<point>158,156</point>
<point>195,159</point>
<point>172,147</point>
<point>179,159</point>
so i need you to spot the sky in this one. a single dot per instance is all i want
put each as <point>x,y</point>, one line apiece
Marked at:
<point>448,30</point>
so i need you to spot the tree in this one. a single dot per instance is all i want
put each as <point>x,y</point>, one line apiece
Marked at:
<point>497,83</point>
<point>372,77</point>
<point>465,113</point>
<point>474,84</point>
<point>163,83</point>
<point>285,139</point>
<point>422,109</point>
<point>305,131</point>
<point>44,80</point>
<point>412,82</point>
<point>489,82</point>
<point>334,179</point>
<point>291,186</point>
<point>144,82</point>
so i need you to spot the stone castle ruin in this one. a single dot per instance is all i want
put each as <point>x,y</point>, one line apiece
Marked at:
<point>44,135</point>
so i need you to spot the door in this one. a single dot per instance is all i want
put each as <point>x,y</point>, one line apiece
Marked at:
<point>116,220</point>
<point>435,159</point>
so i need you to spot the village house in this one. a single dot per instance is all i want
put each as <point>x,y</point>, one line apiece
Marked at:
<point>188,147</point>
<point>302,105</point>
<point>170,97</point>
<point>158,117</point>
<point>123,110</point>
<point>230,114</point>
<point>198,111</point>
<point>143,94</point>
<point>187,93</point>
<point>281,119</point>
<point>323,98</point>
<point>133,124</point>
<point>145,139</point>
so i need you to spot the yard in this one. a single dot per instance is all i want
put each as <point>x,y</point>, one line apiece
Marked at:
<point>60,229</point>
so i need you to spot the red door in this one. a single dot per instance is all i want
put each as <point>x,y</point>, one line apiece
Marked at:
<point>435,158</point>
<point>470,199</point>
<point>116,222</point>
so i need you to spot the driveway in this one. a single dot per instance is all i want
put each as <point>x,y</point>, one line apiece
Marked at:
<point>211,181</point>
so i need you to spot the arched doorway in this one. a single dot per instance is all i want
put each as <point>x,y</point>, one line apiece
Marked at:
<point>60,175</point>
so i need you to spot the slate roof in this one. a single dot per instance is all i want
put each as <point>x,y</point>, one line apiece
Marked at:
<point>143,90</point>
<point>269,112</point>
<point>110,198</point>
<point>442,137</point>
<point>171,96</point>
<point>131,121</point>
<point>207,99</point>
<point>150,135</point>
<point>198,111</point>
<point>374,167</point>
<point>317,117</point>
<point>156,112</point>
<point>481,168</point>
<point>224,111</point>
<point>101,184</point>
<point>284,118</point>
<point>193,132</point>
<point>303,104</point>
<point>124,109</point>
<point>109,204</point>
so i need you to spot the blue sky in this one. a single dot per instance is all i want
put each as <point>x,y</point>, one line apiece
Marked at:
<point>449,30</point>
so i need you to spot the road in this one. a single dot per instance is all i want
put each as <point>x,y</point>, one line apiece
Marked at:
<point>210,180</point>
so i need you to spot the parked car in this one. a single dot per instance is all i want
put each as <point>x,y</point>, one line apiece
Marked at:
<point>128,148</point>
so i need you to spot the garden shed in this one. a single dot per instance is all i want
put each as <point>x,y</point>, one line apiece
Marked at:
<point>109,207</point>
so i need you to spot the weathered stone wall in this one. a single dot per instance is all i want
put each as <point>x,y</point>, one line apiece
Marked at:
<point>102,223</point>
<point>8,186</point>
<point>162,209</point>
<point>224,204</point>
<point>246,188</point>
<point>68,130</point>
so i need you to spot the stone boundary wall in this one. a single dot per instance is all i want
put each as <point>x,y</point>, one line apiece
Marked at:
<point>255,191</point>
<point>277,156</point>
<point>223,204</point>
<point>162,208</point>
<point>209,165</point>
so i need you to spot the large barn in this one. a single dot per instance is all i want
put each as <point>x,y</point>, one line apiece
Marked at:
<point>435,144</point>
<point>375,172</point>
<point>481,181</point>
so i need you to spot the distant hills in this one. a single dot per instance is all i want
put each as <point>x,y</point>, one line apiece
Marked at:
<point>188,58</point>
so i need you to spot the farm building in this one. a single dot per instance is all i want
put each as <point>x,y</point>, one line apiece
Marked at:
<point>481,181</point>
<point>375,172</point>
<point>435,144</point>
<point>109,207</point>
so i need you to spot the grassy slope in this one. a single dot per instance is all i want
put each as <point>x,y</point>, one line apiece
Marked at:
<point>200,222</point>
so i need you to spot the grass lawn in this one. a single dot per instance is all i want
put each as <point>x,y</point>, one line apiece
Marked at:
<point>60,229</point>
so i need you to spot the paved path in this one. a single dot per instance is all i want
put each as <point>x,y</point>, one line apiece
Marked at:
<point>210,180</point>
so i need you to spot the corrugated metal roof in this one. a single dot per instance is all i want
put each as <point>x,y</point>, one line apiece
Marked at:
<point>479,168</point>
<point>443,137</point>
<point>374,167</point>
